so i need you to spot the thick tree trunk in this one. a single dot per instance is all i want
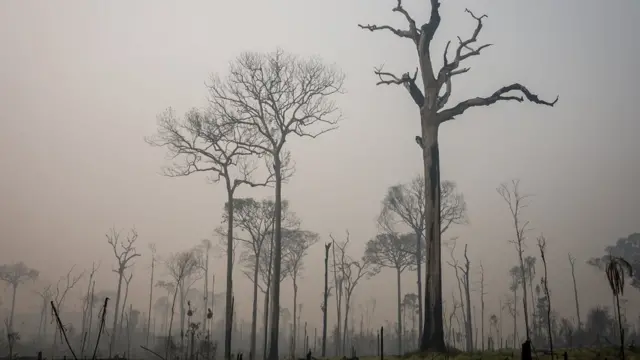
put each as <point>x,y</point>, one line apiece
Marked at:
<point>433,332</point>
<point>228,326</point>
<point>419,236</point>
<point>254,309</point>
<point>277,262</point>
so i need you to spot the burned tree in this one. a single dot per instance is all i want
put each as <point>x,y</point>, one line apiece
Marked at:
<point>432,101</point>
<point>542,246</point>
<point>351,271</point>
<point>517,202</point>
<point>14,275</point>
<point>203,142</point>
<point>152,248</point>
<point>275,96</point>
<point>124,252</point>
<point>300,242</point>
<point>397,252</point>
<point>405,203</point>
<point>325,297</point>
<point>572,262</point>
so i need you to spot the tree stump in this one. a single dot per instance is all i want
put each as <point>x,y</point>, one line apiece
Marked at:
<point>526,351</point>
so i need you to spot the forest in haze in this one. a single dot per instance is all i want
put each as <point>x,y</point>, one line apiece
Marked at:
<point>238,140</point>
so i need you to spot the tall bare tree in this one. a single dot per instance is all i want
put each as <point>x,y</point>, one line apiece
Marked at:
<point>203,142</point>
<point>463,288</point>
<point>46,294</point>
<point>275,96</point>
<point>205,248</point>
<point>65,284</point>
<point>325,298</point>
<point>482,294</point>
<point>351,271</point>
<point>87,306</point>
<point>405,203</point>
<point>14,275</point>
<point>542,246</point>
<point>300,242</point>
<point>127,282</point>
<point>181,266</point>
<point>124,252</point>
<point>152,248</point>
<point>432,101</point>
<point>517,201</point>
<point>397,252</point>
<point>572,262</point>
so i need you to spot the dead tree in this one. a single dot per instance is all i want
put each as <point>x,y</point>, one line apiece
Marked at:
<point>517,202</point>
<point>462,290</point>
<point>208,142</point>
<point>405,202</point>
<point>300,242</point>
<point>87,305</point>
<point>351,271</point>
<point>325,298</point>
<point>482,294</point>
<point>397,252</point>
<point>276,96</point>
<point>572,262</point>
<point>127,282</point>
<point>542,245</point>
<point>432,101</point>
<point>63,286</point>
<point>466,271</point>
<point>152,248</point>
<point>46,295</point>
<point>14,275</point>
<point>124,252</point>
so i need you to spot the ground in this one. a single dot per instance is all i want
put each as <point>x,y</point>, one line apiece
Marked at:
<point>574,354</point>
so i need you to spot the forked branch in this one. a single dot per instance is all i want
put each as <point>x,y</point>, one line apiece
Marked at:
<point>413,33</point>
<point>409,82</point>
<point>500,95</point>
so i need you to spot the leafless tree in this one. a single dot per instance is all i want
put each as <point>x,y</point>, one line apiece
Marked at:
<point>405,203</point>
<point>124,252</point>
<point>275,96</point>
<point>517,202</point>
<point>87,305</point>
<point>46,294</point>
<point>181,266</point>
<point>338,286</point>
<point>203,142</point>
<point>152,248</point>
<point>511,303</point>
<point>65,284</point>
<point>572,262</point>
<point>127,282</point>
<point>205,249</point>
<point>170,288</point>
<point>482,294</point>
<point>325,298</point>
<point>300,242</point>
<point>462,277</point>
<point>542,245</point>
<point>351,272</point>
<point>432,100</point>
<point>396,252</point>
<point>14,275</point>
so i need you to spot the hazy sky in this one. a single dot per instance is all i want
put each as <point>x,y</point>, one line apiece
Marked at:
<point>81,83</point>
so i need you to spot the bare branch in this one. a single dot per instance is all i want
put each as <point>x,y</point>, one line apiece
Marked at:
<point>499,95</point>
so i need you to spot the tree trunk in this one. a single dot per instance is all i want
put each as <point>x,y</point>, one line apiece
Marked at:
<point>515,318</point>
<point>468,324</point>
<point>620,328</point>
<point>205,299</point>
<point>399,299</point>
<point>254,309</point>
<point>93,288</point>
<point>228,326</point>
<point>150,301</point>
<point>277,261</point>
<point>173,310</point>
<point>124,306</point>
<point>345,327</point>
<point>524,292</point>
<point>575,293</point>
<point>433,332</point>
<point>295,316</point>
<point>115,311</point>
<point>13,307</point>
<point>419,236</point>
<point>326,299</point>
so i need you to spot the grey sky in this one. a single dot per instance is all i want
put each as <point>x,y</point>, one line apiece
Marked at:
<point>81,83</point>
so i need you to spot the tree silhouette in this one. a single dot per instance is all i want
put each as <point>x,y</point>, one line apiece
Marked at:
<point>432,100</point>
<point>14,275</point>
